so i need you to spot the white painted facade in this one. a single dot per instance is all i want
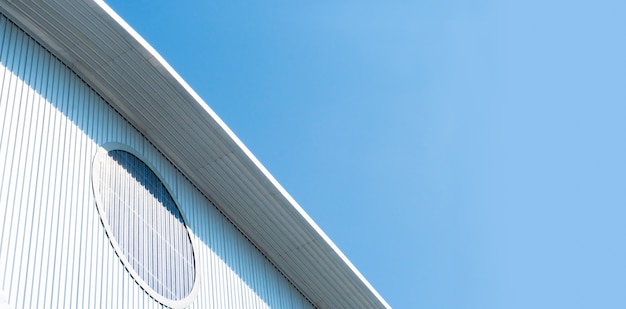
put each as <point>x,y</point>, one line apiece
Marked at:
<point>54,251</point>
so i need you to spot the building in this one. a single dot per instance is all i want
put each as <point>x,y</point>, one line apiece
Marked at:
<point>121,188</point>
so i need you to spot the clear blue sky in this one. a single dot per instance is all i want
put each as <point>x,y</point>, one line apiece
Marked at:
<point>462,154</point>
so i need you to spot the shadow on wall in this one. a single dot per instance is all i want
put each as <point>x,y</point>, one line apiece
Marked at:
<point>70,95</point>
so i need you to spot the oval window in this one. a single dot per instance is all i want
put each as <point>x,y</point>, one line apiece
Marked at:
<point>144,224</point>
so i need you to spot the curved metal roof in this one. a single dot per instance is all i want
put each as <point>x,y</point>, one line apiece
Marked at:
<point>104,50</point>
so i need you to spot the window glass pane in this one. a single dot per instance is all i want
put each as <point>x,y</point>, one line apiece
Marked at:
<point>146,224</point>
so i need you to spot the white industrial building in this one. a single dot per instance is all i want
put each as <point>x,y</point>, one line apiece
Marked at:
<point>121,188</point>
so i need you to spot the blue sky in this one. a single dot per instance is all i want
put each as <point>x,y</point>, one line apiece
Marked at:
<point>462,154</point>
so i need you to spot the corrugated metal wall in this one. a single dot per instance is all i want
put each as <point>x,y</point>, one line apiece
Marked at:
<point>54,252</point>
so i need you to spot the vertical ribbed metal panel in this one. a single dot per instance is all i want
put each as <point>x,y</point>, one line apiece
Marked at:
<point>54,252</point>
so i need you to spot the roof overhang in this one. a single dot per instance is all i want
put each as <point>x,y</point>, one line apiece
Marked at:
<point>104,50</point>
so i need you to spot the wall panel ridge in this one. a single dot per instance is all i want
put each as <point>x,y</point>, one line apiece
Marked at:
<point>54,249</point>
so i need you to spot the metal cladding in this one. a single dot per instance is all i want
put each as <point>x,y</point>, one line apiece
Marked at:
<point>54,247</point>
